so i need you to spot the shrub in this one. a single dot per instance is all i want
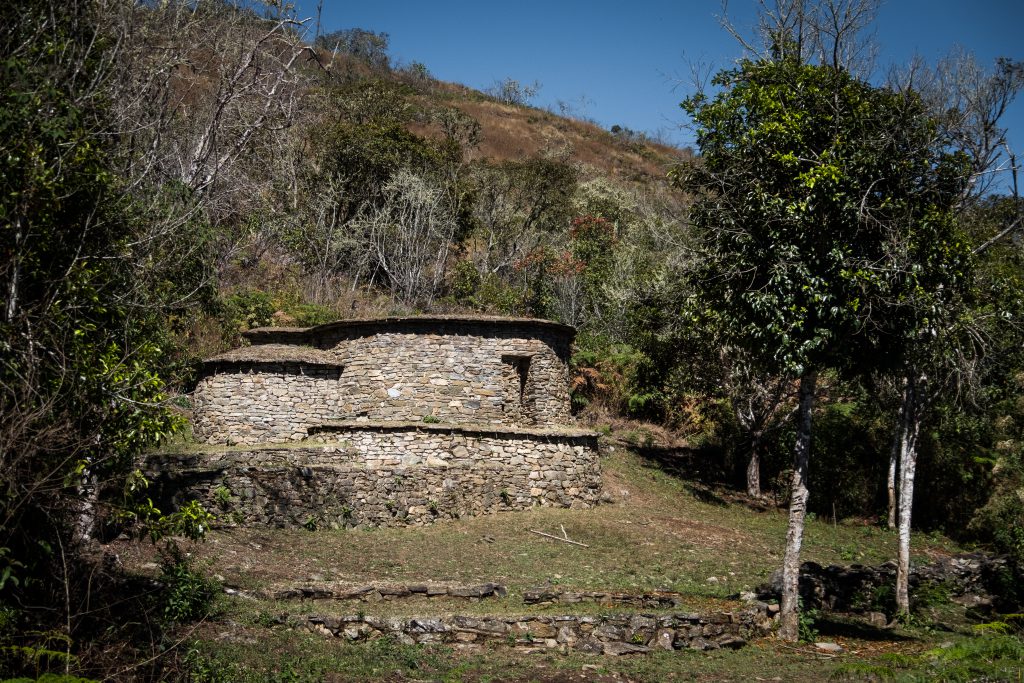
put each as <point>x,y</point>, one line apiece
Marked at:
<point>187,594</point>
<point>247,309</point>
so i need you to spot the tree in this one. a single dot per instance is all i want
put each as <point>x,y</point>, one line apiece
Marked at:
<point>366,46</point>
<point>410,236</point>
<point>80,343</point>
<point>761,402</point>
<point>810,184</point>
<point>942,349</point>
<point>510,91</point>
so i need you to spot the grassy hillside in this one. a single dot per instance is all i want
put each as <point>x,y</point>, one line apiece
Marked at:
<point>660,533</point>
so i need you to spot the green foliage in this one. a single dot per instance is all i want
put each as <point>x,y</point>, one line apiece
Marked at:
<point>617,376</point>
<point>309,315</point>
<point>82,335</point>
<point>847,474</point>
<point>794,160</point>
<point>988,656</point>
<point>191,521</point>
<point>309,659</point>
<point>464,282</point>
<point>367,46</point>
<point>245,310</point>
<point>807,630</point>
<point>222,494</point>
<point>53,678</point>
<point>186,595</point>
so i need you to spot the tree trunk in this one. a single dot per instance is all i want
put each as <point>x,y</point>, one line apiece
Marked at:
<point>789,626</point>
<point>11,308</point>
<point>911,419</point>
<point>894,458</point>
<point>754,467</point>
<point>85,509</point>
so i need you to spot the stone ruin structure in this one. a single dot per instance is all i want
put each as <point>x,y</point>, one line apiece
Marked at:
<point>385,422</point>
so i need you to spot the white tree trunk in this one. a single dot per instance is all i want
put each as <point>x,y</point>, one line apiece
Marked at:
<point>754,467</point>
<point>894,458</point>
<point>911,419</point>
<point>789,626</point>
<point>11,308</point>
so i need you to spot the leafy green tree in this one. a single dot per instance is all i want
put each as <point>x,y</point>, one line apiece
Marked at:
<point>824,207</point>
<point>81,343</point>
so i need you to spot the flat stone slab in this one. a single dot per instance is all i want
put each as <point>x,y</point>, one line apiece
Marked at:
<point>343,426</point>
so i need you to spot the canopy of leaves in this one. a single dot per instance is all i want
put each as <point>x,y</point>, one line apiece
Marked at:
<point>824,204</point>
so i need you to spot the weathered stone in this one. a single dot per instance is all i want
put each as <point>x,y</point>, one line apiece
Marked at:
<point>608,632</point>
<point>471,591</point>
<point>828,647</point>
<point>702,644</point>
<point>566,636</point>
<point>427,626</point>
<point>619,648</point>
<point>663,639</point>
<point>876,619</point>
<point>590,646</point>
<point>730,641</point>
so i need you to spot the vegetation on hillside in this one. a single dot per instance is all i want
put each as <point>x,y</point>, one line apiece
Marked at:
<point>175,173</point>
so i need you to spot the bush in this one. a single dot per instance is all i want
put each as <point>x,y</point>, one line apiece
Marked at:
<point>309,315</point>
<point>245,310</point>
<point>187,595</point>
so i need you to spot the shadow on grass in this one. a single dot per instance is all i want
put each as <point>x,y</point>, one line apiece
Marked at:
<point>701,465</point>
<point>702,472</point>
<point>705,494</point>
<point>839,627</point>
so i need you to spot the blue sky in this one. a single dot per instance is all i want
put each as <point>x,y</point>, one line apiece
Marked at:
<point>629,63</point>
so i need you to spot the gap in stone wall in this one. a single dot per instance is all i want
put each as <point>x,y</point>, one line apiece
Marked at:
<point>519,388</point>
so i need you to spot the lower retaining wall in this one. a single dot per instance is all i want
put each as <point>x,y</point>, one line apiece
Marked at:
<point>385,475</point>
<point>595,634</point>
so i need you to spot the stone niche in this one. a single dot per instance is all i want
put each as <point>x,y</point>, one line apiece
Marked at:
<point>392,421</point>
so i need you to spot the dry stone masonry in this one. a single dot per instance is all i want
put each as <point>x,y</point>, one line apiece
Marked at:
<point>385,422</point>
<point>609,634</point>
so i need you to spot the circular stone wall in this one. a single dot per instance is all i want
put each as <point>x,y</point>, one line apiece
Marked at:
<point>462,371</point>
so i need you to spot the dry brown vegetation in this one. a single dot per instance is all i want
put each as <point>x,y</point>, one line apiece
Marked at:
<point>512,133</point>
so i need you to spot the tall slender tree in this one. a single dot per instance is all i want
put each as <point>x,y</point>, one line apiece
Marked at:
<point>823,203</point>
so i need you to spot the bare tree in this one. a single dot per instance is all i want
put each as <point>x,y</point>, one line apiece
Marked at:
<point>827,32</point>
<point>410,237</point>
<point>199,86</point>
<point>969,102</point>
<point>762,403</point>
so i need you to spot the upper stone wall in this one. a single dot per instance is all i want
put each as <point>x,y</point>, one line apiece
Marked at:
<point>461,373</point>
<point>458,370</point>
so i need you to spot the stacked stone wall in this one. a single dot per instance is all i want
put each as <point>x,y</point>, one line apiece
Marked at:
<point>250,403</point>
<point>465,375</point>
<point>609,634</point>
<point>386,475</point>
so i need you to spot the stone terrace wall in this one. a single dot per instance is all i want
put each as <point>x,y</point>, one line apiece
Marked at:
<point>462,371</point>
<point>250,403</point>
<point>387,475</point>
<point>609,634</point>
